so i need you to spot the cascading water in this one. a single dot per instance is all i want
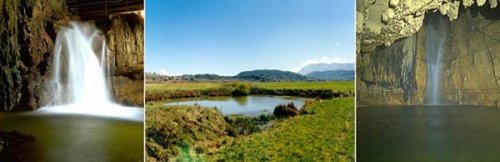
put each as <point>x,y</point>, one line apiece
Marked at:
<point>435,37</point>
<point>80,73</point>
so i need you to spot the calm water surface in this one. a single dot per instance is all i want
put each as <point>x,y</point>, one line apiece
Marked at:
<point>428,133</point>
<point>247,105</point>
<point>76,137</point>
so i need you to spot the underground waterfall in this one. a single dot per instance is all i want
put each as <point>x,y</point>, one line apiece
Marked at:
<point>435,36</point>
<point>81,68</point>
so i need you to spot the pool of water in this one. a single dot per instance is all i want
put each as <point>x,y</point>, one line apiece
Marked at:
<point>428,133</point>
<point>246,105</point>
<point>70,137</point>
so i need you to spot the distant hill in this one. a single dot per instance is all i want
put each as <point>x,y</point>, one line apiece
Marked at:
<point>333,75</point>
<point>205,77</point>
<point>326,67</point>
<point>271,75</point>
<point>254,75</point>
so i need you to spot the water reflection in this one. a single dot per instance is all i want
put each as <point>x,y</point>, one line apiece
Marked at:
<point>248,105</point>
<point>427,133</point>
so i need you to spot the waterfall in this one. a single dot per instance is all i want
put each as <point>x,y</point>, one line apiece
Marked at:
<point>79,74</point>
<point>81,67</point>
<point>435,36</point>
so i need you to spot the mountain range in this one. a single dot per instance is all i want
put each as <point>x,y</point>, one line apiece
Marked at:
<point>313,72</point>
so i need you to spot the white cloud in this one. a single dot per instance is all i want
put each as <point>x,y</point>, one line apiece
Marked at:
<point>323,59</point>
<point>163,71</point>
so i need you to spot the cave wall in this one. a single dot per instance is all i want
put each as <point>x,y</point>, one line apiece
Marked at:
<point>393,75</point>
<point>125,39</point>
<point>27,32</point>
<point>471,63</point>
<point>390,74</point>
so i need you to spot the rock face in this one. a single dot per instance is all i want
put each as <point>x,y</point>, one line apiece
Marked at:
<point>471,62</point>
<point>396,74</point>
<point>393,75</point>
<point>27,33</point>
<point>27,36</point>
<point>126,44</point>
<point>385,21</point>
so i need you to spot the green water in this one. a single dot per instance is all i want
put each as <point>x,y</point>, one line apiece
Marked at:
<point>428,133</point>
<point>245,105</point>
<point>77,138</point>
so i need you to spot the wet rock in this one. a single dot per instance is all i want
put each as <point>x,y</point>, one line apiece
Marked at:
<point>128,91</point>
<point>125,40</point>
<point>14,146</point>
<point>286,110</point>
<point>27,33</point>
<point>394,75</point>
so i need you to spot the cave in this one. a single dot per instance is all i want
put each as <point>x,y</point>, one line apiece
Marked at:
<point>427,83</point>
<point>398,73</point>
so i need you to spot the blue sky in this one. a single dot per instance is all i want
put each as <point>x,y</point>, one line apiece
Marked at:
<point>226,37</point>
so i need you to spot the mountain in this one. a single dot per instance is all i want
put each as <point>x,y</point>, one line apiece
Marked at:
<point>333,75</point>
<point>326,67</point>
<point>271,75</point>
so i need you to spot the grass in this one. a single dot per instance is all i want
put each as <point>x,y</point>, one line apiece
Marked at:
<point>344,86</point>
<point>334,85</point>
<point>326,135</point>
<point>167,91</point>
<point>181,86</point>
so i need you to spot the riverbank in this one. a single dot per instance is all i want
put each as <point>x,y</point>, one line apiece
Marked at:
<point>199,133</point>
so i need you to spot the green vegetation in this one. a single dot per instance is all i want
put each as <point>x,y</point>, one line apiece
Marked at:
<point>343,86</point>
<point>249,76</point>
<point>324,131</point>
<point>333,75</point>
<point>326,135</point>
<point>286,110</point>
<point>241,90</point>
<point>173,132</point>
<point>324,90</point>
<point>272,76</point>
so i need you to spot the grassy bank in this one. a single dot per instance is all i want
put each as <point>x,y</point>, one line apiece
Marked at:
<point>325,135</point>
<point>193,133</point>
<point>324,90</point>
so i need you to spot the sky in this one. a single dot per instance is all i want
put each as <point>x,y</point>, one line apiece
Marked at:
<point>226,37</point>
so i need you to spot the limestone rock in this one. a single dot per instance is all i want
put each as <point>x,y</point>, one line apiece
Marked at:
<point>128,91</point>
<point>125,40</point>
<point>384,21</point>
<point>26,44</point>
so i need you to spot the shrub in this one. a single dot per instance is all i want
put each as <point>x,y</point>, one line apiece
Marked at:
<point>241,90</point>
<point>286,110</point>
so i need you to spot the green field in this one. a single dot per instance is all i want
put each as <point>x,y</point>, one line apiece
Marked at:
<point>180,86</point>
<point>344,86</point>
<point>326,133</point>
<point>335,85</point>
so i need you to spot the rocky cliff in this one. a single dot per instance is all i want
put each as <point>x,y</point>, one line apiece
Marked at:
<point>126,43</point>
<point>27,33</point>
<point>392,65</point>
